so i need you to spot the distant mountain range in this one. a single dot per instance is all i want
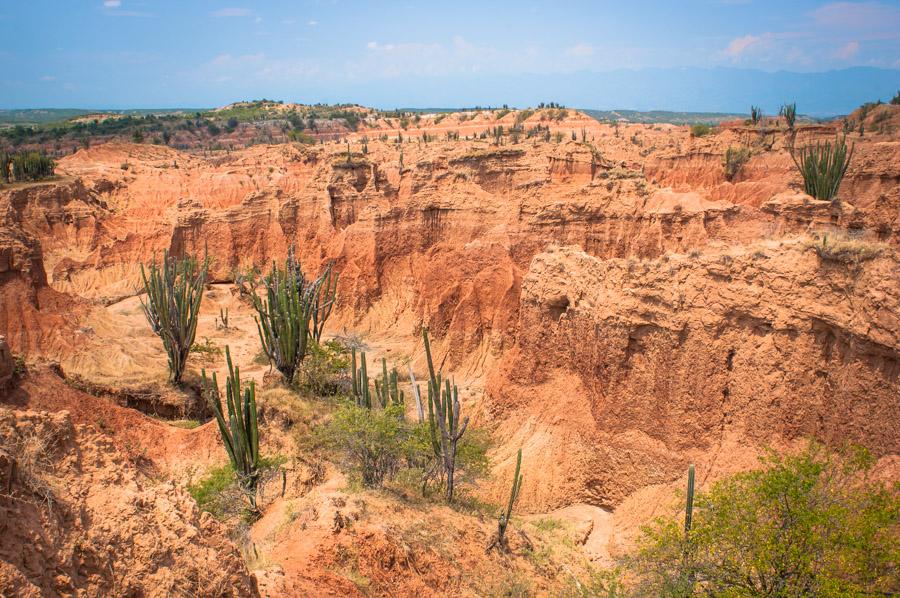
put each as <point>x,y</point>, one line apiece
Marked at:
<point>679,95</point>
<point>723,90</point>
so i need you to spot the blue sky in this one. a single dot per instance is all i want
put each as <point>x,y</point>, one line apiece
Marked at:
<point>165,53</point>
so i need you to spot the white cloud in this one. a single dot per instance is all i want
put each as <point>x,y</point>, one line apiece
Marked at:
<point>232,12</point>
<point>580,50</point>
<point>313,23</point>
<point>48,78</point>
<point>112,3</point>
<point>847,51</point>
<point>741,45</point>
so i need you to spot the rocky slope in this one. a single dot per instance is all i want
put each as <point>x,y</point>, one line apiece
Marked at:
<point>79,518</point>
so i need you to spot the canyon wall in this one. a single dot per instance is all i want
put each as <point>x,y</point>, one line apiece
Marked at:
<point>617,306</point>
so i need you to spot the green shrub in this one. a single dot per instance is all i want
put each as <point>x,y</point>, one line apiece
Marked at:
<point>219,493</point>
<point>701,130</point>
<point>372,441</point>
<point>734,160</point>
<point>301,137</point>
<point>324,371</point>
<point>813,524</point>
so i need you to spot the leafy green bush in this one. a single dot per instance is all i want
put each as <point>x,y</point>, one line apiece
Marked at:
<point>813,524</point>
<point>324,371</point>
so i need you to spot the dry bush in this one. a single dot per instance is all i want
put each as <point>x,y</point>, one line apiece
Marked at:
<point>844,249</point>
<point>31,463</point>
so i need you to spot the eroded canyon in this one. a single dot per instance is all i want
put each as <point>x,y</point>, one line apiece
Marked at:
<point>609,300</point>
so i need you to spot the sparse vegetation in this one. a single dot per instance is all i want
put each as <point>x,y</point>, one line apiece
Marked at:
<point>174,291</point>
<point>240,434</point>
<point>789,112</point>
<point>812,524</point>
<point>503,521</point>
<point>25,166</point>
<point>844,249</point>
<point>701,130</point>
<point>823,167</point>
<point>734,160</point>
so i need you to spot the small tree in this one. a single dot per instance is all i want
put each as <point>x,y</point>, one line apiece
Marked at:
<point>240,434</point>
<point>174,291</point>
<point>823,167</point>
<point>373,440</point>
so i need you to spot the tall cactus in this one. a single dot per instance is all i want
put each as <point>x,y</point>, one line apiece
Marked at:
<point>241,434</point>
<point>513,496</point>
<point>443,419</point>
<point>323,302</point>
<point>285,316</point>
<point>174,291</point>
<point>689,507</point>
<point>360,381</point>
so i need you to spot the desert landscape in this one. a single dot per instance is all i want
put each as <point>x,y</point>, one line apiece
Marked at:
<point>607,297</point>
<point>313,348</point>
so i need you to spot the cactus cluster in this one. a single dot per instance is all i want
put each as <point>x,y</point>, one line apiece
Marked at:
<point>387,391</point>
<point>789,112</point>
<point>293,310</point>
<point>443,418</point>
<point>25,166</point>
<point>823,167</point>
<point>174,291</point>
<point>240,434</point>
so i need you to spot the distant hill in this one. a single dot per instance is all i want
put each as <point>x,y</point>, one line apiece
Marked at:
<point>662,116</point>
<point>44,116</point>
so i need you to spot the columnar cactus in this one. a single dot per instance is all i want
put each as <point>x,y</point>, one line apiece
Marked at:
<point>174,291</point>
<point>360,377</point>
<point>689,507</point>
<point>387,388</point>
<point>823,167</point>
<point>241,434</point>
<point>443,419</point>
<point>293,310</point>
<point>513,496</point>
<point>387,391</point>
<point>324,301</point>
